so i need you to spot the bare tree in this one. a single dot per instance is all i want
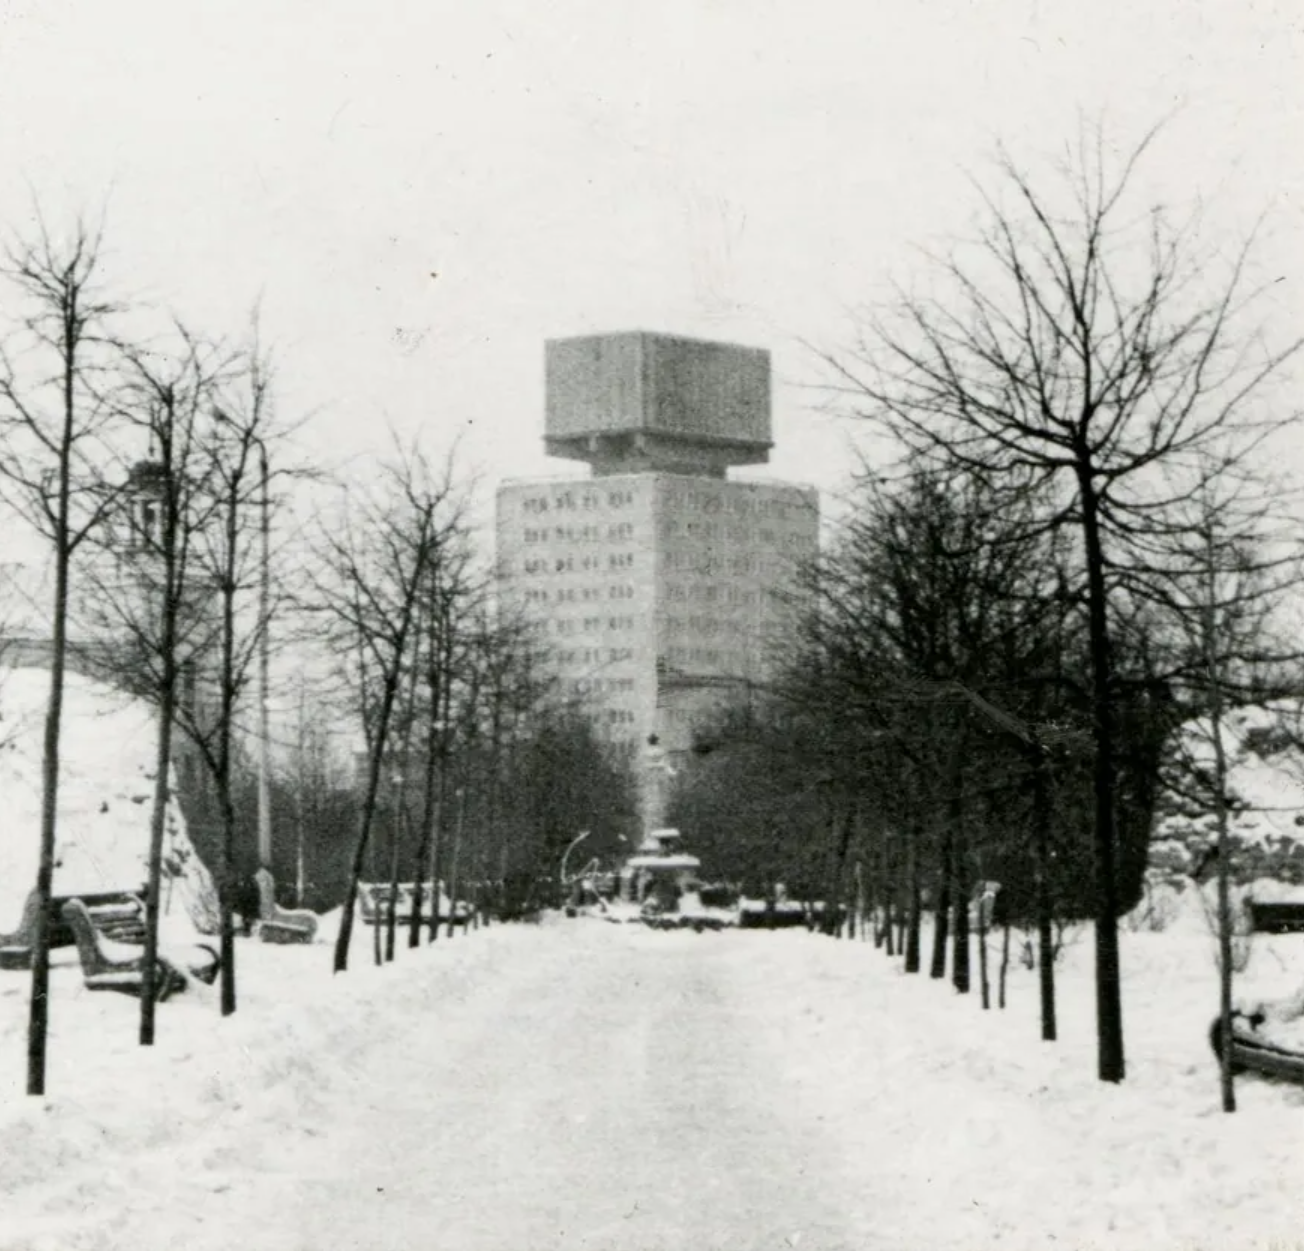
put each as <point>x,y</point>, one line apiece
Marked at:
<point>440,656</point>
<point>234,561</point>
<point>1082,352</point>
<point>374,561</point>
<point>54,423</point>
<point>1223,577</point>
<point>147,593</point>
<point>175,595</point>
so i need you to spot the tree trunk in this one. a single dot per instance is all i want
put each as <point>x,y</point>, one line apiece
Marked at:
<point>837,874</point>
<point>391,921</point>
<point>1041,818</point>
<point>1226,971</point>
<point>942,907</point>
<point>914,904</point>
<point>1005,961</point>
<point>424,864</point>
<point>860,900</point>
<point>1111,1066</point>
<point>39,1006</point>
<point>454,885</point>
<point>341,962</point>
<point>887,887</point>
<point>960,944</point>
<point>222,773</point>
<point>157,827</point>
<point>226,900</point>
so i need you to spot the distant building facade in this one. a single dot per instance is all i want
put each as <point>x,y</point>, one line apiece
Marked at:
<point>115,604</point>
<point>661,588</point>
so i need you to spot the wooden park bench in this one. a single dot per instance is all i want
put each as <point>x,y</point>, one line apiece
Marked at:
<point>376,900</point>
<point>111,964</point>
<point>118,914</point>
<point>1276,918</point>
<point>281,925</point>
<point>16,947</point>
<point>374,903</point>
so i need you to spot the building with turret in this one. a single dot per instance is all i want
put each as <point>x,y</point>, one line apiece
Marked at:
<point>659,585</point>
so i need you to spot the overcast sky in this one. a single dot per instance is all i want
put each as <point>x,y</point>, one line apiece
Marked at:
<point>422,192</point>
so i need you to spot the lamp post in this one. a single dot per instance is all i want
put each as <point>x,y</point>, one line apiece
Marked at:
<point>264,666</point>
<point>575,842</point>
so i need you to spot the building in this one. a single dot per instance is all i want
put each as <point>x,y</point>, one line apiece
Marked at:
<point>659,584</point>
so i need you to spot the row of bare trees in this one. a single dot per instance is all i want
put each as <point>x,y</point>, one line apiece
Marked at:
<point>133,459</point>
<point>456,707</point>
<point>150,461</point>
<point>1078,547</point>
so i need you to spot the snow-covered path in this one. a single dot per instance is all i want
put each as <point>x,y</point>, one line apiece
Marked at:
<point>602,1093</point>
<point>580,1085</point>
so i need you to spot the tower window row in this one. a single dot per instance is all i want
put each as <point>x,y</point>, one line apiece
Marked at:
<point>569,501</point>
<point>578,594</point>
<point>737,504</point>
<point>568,656</point>
<point>617,532</point>
<point>569,625</point>
<point>599,686</point>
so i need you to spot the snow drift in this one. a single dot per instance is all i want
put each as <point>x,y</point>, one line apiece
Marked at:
<point>105,796</point>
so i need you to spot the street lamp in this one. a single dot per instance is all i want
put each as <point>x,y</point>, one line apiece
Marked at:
<point>264,665</point>
<point>264,641</point>
<point>575,842</point>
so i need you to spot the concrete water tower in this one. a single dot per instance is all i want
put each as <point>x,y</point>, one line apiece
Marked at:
<point>637,402</point>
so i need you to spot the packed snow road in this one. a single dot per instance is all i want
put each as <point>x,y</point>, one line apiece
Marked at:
<point>580,1085</point>
<point>607,1098</point>
<point>602,1090</point>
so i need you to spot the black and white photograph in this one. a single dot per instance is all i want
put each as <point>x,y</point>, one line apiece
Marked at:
<point>651,627</point>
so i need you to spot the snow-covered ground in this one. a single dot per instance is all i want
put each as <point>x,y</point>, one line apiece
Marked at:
<point>578,1084</point>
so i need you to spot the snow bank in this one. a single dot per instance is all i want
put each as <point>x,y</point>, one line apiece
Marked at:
<point>105,798</point>
<point>215,1099</point>
<point>956,1128</point>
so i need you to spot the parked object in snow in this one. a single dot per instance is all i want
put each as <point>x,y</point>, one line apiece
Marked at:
<point>1266,1037</point>
<point>281,925</point>
<point>110,964</point>
<point>16,947</point>
<point>116,914</point>
<point>1276,917</point>
<point>375,900</point>
<point>781,913</point>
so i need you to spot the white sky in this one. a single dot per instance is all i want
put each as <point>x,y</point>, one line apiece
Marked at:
<point>709,167</point>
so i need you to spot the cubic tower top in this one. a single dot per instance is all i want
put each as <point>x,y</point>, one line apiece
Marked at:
<point>639,403</point>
